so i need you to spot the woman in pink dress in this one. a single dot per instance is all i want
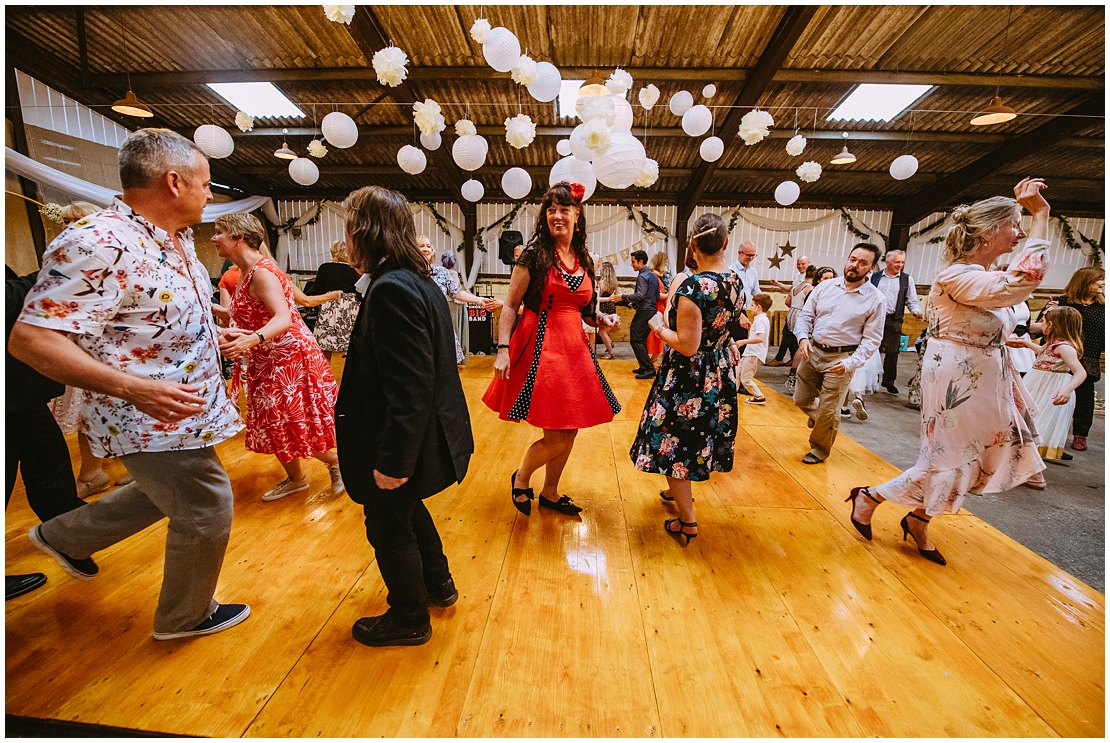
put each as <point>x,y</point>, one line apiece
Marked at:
<point>290,388</point>
<point>977,432</point>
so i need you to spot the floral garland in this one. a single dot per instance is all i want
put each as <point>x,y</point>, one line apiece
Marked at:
<point>288,224</point>
<point>440,221</point>
<point>733,220</point>
<point>506,219</point>
<point>851,225</point>
<point>645,224</point>
<point>1069,237</point>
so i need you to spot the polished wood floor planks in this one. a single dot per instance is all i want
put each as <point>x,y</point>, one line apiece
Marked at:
<point>778,620</point>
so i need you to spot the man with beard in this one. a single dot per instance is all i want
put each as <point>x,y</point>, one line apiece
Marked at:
<point>839,329</point>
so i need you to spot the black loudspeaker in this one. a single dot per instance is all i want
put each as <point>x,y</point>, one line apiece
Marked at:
<point>507,245</point>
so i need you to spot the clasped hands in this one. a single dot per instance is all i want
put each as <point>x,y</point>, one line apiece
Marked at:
<point>236,342</point>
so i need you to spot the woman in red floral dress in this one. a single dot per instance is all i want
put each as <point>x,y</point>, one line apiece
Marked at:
<point>290,388</point>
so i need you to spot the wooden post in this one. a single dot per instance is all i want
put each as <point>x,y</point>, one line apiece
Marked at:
<point>19,137</point>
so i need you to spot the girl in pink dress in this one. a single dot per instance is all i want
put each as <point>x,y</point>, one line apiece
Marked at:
<point>290,388</point>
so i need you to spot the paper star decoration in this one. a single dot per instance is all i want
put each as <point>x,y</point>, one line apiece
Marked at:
<point>787,249</point>
<point>776,260</point>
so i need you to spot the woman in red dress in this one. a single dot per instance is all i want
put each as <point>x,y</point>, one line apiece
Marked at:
<point>545,371</point>
<point>290,388</point>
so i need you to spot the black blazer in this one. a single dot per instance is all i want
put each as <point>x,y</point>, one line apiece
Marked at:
<point>332,276</point>
<point>401,408</point>
<point>25,388</point>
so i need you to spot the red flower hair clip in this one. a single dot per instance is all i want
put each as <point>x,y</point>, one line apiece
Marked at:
<point>577,190</point>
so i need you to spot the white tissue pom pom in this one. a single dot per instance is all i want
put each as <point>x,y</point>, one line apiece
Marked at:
<point>317,149</point>
<point>464,128</point>
<point>524,71</point>
<point>757,119</point>
<point>340,13</point>
<point>590,107</point>
<point>480,30</point>
<point>752,136</point>
<point>428,116</point>
<point>520,131</point>
<point>809,171</point>
<point>596,134</point>
<point>649,175</point>
<point>389,65</point>
<point>649,96</point>
<point>619,82</point>
<point>796,145</point>
<point>244,121</point>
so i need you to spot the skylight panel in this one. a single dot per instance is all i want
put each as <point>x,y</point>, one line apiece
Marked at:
<point>568,96</point>
<point>260,100</point>
<point>878,102</point>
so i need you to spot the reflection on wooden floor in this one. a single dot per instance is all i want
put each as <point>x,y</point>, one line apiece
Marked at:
<point>777,621</point>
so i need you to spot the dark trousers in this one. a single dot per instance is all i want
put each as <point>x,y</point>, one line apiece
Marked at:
<point>1084,406</point>
<point>788,344</point>
<point>890,348</point>
<point>35,445</point>
<point>410,556</point>
<point>638,333</point>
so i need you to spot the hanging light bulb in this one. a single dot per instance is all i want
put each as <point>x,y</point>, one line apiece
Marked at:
<point>844,157</point>
<point>996,112</point>
<point>129,105</point>
<point>284,152</point>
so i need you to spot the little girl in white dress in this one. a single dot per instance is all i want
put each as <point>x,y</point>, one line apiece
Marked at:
<point>1056,373</point>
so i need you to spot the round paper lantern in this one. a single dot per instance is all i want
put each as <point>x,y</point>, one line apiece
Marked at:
<point>304,171</point>
<point>573,170</point>
<point>214,141</point>
<point>903,167</point>
<point>623,119</point>
<point>501,49</point>
<point>469,151</point>
<point>619,164</point>
<point>578,146</point>
<point>516,183</point>
<point>339,129</point>
<point>548,82</point>
<point>697,120</point>
<point>787,193</point>
<point>680,102</point>
<point>711,149</point>
<point>412,159</point>
<point>472,190</point>
<point>563,147</point>
<point>431,141</point>
<point>709,90</point>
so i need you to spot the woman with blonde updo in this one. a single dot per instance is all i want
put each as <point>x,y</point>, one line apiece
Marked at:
<point>333,327</point>
<point>977,434</point>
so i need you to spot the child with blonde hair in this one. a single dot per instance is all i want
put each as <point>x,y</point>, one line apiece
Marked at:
<point>755,350</point>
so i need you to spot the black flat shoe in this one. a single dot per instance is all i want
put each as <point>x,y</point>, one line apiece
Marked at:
<point>676,533</point>
<point>663,494</point>
<point>17,585</point>
<point>930,555</point>
<point>525,506</point>
<point>445,594</point>
<point>380,632</point>
<point>863,529</point>
<point>563,505</point>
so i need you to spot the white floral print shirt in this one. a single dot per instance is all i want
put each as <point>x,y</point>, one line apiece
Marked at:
<point>117,284</point>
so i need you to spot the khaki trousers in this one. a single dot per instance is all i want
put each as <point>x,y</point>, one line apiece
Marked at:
<point>819,395</point>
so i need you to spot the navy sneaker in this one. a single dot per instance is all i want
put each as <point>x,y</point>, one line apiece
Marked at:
<point>225,616</point>
<point>381,631</point>
<point>84,569</point>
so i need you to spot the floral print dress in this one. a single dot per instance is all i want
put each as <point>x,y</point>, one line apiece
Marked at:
<point>688,428</point>
<point>449,285</point>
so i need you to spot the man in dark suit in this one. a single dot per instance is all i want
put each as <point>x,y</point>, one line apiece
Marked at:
<point>403,430</point>
<point>899,292</point>
<point>643,300</point>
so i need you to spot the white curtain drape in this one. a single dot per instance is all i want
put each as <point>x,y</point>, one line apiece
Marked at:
<point>786,225</point>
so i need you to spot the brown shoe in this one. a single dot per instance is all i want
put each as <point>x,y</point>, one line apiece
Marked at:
<point>1079,443</point>
<point>778,362</point>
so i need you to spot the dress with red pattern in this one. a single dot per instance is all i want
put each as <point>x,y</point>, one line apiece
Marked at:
<point>290,388</point>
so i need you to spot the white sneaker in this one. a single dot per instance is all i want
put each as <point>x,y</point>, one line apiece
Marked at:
<point>861,412</point>
<point>286,487</point>
<point>336,479</point>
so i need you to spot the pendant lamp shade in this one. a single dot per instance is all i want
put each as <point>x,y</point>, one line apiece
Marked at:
<point>996,112</point>
<point>284,152</point>
<point>594,85</point>
<point>129,105</point>
<point>843,158</point>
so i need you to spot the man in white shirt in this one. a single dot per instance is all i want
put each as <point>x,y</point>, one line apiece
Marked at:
<point>788,343</point>
<point>749,277</point>
<point>899,292</point>
<point>839,329</point>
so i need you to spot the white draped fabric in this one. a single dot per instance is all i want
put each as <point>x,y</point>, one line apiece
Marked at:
<point>785,225</point>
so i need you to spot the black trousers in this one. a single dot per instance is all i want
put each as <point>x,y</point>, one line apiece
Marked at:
<point>36,447</point>
<point>638,333</point>
<point>788,344</point>
<point>410,556</point>
<point>892,341</point>
<point>1084,413</point>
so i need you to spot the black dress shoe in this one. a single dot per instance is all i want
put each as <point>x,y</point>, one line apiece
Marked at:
<point>17,585</point>
<point>891,389</point>
<point>645,375</point>
<point>445,594</point>
<point>563,505</point>
<point>810,458</point>
<point>380,632</point>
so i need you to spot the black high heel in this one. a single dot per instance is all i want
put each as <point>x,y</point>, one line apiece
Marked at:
<point>524,507</point>
<point>679,533</point>
<point>669,498</point>
<point>863,529</point>
<point>563,505</point>
<point>930,555</point>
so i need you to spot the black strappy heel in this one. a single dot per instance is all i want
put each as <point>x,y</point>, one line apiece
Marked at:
<point>864,529</point>
<point>930,555</point>
<point>524,507</point>
<point>679,533</point>
<point>563,505</point>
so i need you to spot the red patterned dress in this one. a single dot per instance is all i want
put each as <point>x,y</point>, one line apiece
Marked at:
<point>290,388</point>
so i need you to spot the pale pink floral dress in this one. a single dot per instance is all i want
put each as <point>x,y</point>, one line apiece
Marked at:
<point>977,433</point>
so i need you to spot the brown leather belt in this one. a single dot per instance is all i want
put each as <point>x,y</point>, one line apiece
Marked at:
<point>834,349</point>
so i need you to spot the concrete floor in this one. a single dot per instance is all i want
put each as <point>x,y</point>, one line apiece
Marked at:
<point>1065,524</point>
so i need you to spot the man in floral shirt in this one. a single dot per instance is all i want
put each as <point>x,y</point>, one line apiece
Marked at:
<point>122,310</point>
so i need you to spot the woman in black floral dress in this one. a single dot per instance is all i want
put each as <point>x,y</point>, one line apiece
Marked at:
<point>688,428</point>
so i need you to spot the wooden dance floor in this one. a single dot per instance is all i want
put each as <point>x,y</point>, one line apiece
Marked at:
<point>777,621</point>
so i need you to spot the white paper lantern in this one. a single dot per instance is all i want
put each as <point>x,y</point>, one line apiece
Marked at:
<point>563,147</point>
<point>622,121</point>
<point>339,129</point>
<point>472,190</point>
<point>304,171</point>
<point>548,82</point>
<point>469,151</point>
<point>697,120</point>
<point>903,167</point>
<point>787,193</point>
<point>214,141</point>
<point>516,183</point>
<point>573,170</point>
<point>431,141</point>
<point>582,136</point>
<point>620,163</point>
<point>711,149</point>
<point>412,159</point>
<point>709,90</point>
<point>501,49</point>
<point>680,102</point>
